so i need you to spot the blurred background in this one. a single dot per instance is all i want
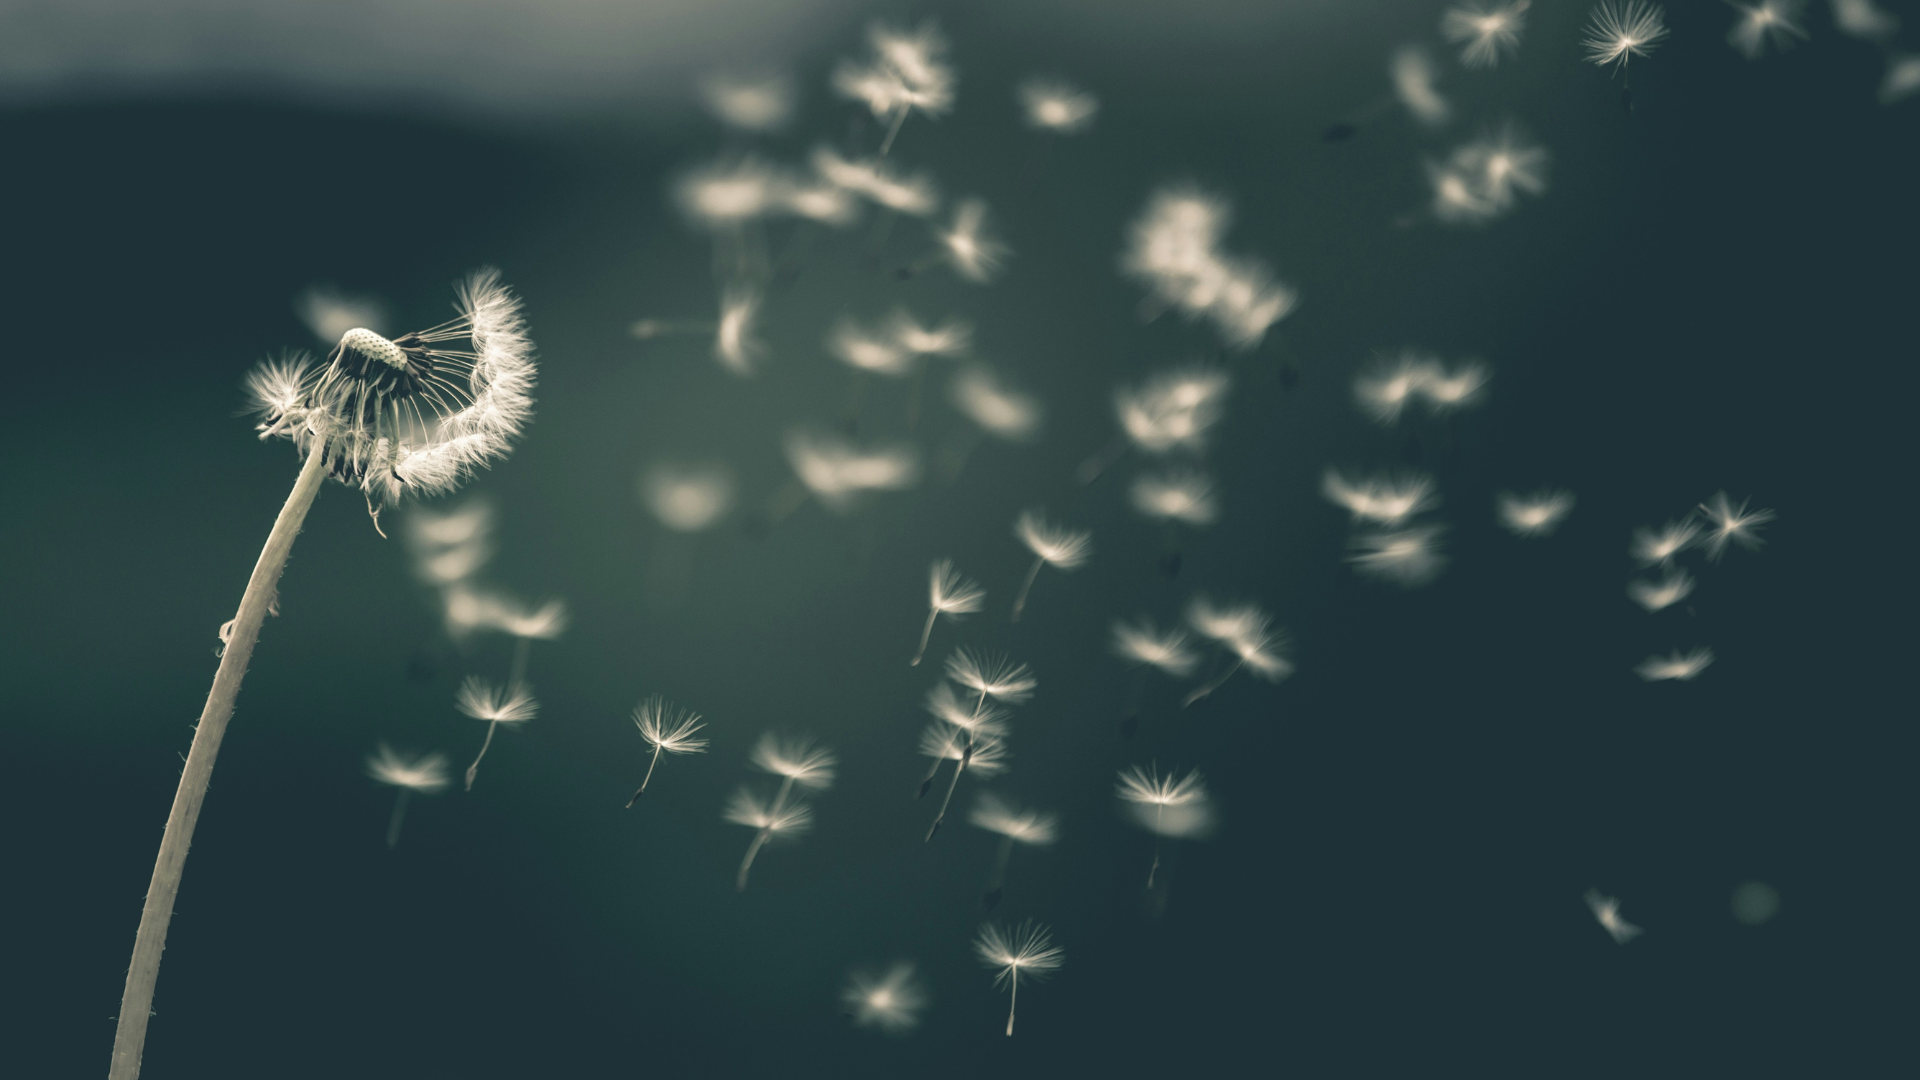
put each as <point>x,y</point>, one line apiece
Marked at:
<point>1714,291</point>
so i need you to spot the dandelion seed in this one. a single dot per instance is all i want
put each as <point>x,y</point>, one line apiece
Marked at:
<point>1537,514</point>
<point>330,313</point>
<point>950,338</point>
<point>1485,32</point>
<point>426,774</point>
<point>865,350</point>
<point>1140,643</point>
<point>669,729</point>
<point>978,393</point>
<point>944,743</point>
<point>1171,806</point>
<point>1385,391</point>
<point>1027,949</point>
<point>908,72</point>
<point>1057,106</point>
<point>987,677</point>
<point>779,819</point>
<point>1055,546</point>
<point>760,103</point>
<point>1902,79</point>
<point>1657,596</point>
<point>1406,557</point>
<point>1444,392</point>
<point>1413,79</point>
<point>1244,631</point>
<point>1864,20</point>
<point>1173,249</point>
<point>976,722</point>
<point>1674,666</point>
<point>511,704</point>
<point>1380,499</point>
<point>975,255</point>
<point>1728,523</point>
<point>1030,827</point>
<point>890,1002</point>
<point>837,473</point>
<point>1457,198</point>
<point>451,546</point>
<point>1503,165</point>
<point>1658,547</point>
<point>1769,22</point>
<point>724,195</point>
<point>1606,912</point>
<point>734,343</point>
<point>948,594</point>
<point>688,498</point>
<point>1621,29</point>
<point>795,761</point>
<point>1180,495</point>
<point>872,181</point>
<point>1172,410</point>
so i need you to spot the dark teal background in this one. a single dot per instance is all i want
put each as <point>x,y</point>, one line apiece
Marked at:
<point>1715,292</point>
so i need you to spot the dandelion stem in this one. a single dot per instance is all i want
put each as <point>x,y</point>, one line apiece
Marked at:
<point>644,780</point>
<point>1159,812</point>
<point>965,756</point>
<point>474,769</point>
<point>1014,1001</point>
<point>1020,602</point>
<point>136,1003</point>
<point>760,838</point>
<point>931,773</point>
<point>399,815</point>
<point>924,636</point>
<point>899,118</point>
<point>1213,684</point>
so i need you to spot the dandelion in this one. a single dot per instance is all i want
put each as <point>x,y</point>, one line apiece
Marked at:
<point>1181,495</point>
<point>1502,165</point>
<point>409,416</point>
<point>1674,666</point>
<point>944,743</point>
<point>795,761</point>
<point>994,677</point>
<point>665,727</point>
<point>1380,499</point>
<point>871,180</point>
<point>1606,912</point>
<point>978,721</point>
<point>1166,806</point>
<point>734,343</point>
<point>1769,22</point>
<point>1406,557</point>
<point>426,774</point>
<point>1140,643</point>
<point>687,498</point>
<point>908,71</point>
<point>1621,29</point>
<point>1385,391</point>
<point>1653,547</point>
<point>1658,595</point>
<point>1728,523</point>
<point>1057,106</point>
<point>1174,409</point>
<point>1413,79</point>
<point>1485,32</point>
<point>1244,631</point>
<point>948,594</point>
<point>991,676</point>
<point>1027,949</point>
<point>510,704</point>
<point>760,103</point>
<point>1031,827</point>
<point>1006,413</point>
<point>890,1002</point>
<point>837,473</point>
<point>1863,19</point>
<point>1173,249</point>
<point>330,313</point>
<point>1056,546</point>
<point>975,255</point>
<point>950,338</point>
<point>1537,514</point>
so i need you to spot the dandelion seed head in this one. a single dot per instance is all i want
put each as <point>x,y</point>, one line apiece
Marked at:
<point>1606,912</point>
<point>1227,623</point>
<point>793,818</point>
<point>1537,514</point>
<point>1381,499</point>
<point>1179,495</point>
<point>1769,22</point>
<point>989,756</point>
<point>1139,642</point>
<point>1621,29</point>
<point>797,759</point>
<point>918,57</point>
<point>951,594</point>
<point>978,393</point>
<point>544,623</point>
<point>1026,951</point>
<point>1056,545</point>
<point>1675,666</point>
<point>975,254</point>
<point>837,472</point>
<point>1055,105</point>
<point>482,700</point>
<point>669,728</point>
<point>994,675</point>
<point>734,343</point>
<point>1658,595</point>
<point>750,103</point>
<point>1413,79</point>
<point>687,498</point>
<point>998,815</point>
<point>890,1001</point>
<point>1146,787</point>
<point>426,773</point>
<point>1485,32</point>
<point>1407,557</point>
<point>1727,523</point>
<point>329,313</point>
<point>1656,547</point>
